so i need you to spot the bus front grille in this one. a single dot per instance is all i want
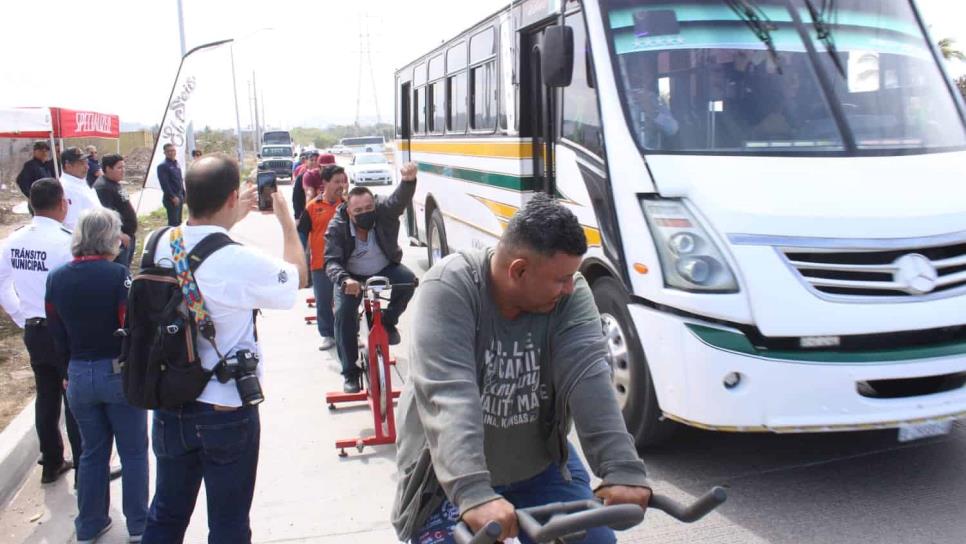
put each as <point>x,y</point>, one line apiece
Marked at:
<point>912,273</point>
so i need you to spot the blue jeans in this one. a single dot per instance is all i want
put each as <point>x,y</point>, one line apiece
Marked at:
<point>325,319</point>
<point>544,488</point>
<point>96,397</point>
<point>347,315</point>
<point>195,443</point>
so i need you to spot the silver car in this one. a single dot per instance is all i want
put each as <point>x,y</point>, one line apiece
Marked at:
<point>370,169</point>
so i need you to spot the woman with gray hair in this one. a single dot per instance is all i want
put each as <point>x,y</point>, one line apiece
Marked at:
<point>86,305</point>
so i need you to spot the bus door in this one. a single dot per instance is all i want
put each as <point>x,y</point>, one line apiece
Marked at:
<point>403,146</point>
<point>538,105</point>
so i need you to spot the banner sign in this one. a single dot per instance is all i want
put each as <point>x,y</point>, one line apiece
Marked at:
<point>85,124</point>
<point>174,123</point>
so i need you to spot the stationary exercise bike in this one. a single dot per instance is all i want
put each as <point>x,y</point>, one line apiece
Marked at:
<point>376,362</point>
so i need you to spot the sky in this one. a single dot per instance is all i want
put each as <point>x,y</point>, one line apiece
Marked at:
<point>121,56</point>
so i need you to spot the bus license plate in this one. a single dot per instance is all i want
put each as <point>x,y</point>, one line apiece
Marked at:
<point>908,433</point>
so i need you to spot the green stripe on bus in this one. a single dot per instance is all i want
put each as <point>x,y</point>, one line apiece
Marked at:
<point>504,181</point>
<point>737,342</point>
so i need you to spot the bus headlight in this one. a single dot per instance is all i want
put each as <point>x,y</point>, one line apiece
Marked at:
<point>689,258</point>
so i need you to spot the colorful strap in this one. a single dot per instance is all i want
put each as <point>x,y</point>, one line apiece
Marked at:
<point>192,295</point>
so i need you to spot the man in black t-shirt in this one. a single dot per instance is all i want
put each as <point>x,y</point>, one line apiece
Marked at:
<point>39,167</point>
<point>113,196</point>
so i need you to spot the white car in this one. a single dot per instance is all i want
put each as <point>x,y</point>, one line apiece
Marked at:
<point>370,169</point>
<point>339,149</point>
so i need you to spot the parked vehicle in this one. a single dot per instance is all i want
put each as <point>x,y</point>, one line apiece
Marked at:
<point>366,144</point>
<point>278,159</point>
<point>770,192</point>
<point>277,137</point>
<point>370,169</point>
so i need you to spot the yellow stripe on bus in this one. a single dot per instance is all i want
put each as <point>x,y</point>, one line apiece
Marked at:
<point>500,150</point>
<point>504,212</point>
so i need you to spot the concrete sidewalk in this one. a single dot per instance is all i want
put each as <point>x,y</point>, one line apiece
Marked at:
<point>305,492</point>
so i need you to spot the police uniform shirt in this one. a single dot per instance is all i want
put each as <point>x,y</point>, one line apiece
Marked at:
<point>233,281</point>
<point>79,196</point>
<point>26,257</point>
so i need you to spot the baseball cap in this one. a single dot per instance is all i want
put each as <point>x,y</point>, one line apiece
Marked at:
<point>72,154</point>
<point>326,158</point>
<point>41,144</point>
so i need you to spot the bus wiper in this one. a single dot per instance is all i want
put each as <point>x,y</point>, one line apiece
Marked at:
<point>759,24</point>
<point>824,32</point>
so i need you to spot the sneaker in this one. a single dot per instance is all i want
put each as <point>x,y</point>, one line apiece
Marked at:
<point>99,534</point>
<point>393,333</point>
<point>327,343</point>
<point>351,385</point>
<point>52,473</point>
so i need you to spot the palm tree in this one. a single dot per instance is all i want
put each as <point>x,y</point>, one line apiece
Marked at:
<point>949,53</point>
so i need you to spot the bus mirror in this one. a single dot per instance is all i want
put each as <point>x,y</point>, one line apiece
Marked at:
<point>557,56</point>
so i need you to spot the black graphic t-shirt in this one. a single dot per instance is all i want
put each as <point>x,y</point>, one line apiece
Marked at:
<point>511,394</point>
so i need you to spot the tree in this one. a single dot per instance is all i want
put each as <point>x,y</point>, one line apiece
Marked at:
<point>949,52</point>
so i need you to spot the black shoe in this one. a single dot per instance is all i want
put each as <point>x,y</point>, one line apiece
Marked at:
<point>393,332</point>
<point>351,385</point>
<point>52,473</point>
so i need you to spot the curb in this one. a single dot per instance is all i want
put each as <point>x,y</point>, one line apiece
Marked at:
<point>19,447</point>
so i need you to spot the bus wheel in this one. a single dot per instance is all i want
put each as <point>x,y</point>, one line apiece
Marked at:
<point>436,246</point>
<point>631,377</point>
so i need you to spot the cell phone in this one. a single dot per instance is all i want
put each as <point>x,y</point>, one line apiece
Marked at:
<point>267,184</point>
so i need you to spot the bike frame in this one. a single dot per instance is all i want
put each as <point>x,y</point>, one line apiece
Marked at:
<point>376,349</point>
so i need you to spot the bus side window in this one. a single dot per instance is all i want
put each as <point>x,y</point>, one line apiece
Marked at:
<point>456,102</point>
<point>483,96</point>
<point>581,118</point>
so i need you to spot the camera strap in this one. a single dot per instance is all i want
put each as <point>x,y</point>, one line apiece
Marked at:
<point>189,288</point>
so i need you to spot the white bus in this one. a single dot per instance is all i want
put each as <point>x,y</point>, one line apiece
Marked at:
<point>364,144</point>
<point>772,192</point>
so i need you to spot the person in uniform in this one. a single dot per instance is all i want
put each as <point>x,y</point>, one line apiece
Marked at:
<point>79,195</point>
<point>40,166</point>
<point>26,258</point>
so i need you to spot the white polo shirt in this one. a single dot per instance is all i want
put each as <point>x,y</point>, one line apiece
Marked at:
<point>80,197</point>
<point>233,281</point>
<point>26,257</point>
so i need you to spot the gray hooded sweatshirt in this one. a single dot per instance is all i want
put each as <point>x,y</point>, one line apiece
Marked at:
<point>490,401</point>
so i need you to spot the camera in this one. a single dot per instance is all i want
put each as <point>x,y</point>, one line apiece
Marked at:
<point>246,381</point>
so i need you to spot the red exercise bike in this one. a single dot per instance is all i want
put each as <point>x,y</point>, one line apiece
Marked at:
<point>376,362</point>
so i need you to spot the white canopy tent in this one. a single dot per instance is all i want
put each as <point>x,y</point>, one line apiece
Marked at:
<point>32,123</point>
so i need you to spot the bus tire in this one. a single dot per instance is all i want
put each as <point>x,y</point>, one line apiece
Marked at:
<point>631,376</point>
<point>436,246</point>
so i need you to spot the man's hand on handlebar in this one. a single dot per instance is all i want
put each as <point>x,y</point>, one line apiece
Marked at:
<point>499,510</point>
<point>624,494</point>
<point>351,287</point>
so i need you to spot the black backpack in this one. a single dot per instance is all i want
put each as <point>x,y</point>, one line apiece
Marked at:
<point>160,363</point>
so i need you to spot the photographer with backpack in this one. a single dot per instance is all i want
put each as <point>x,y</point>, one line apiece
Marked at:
<point>206,423</point>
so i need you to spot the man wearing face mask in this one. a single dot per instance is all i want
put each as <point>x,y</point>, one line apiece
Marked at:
<point>361,242</point>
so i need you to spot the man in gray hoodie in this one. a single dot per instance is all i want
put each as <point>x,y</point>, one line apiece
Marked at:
<point>507,353</point>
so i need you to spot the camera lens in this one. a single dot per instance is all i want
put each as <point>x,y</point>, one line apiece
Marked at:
<point>249,389</point>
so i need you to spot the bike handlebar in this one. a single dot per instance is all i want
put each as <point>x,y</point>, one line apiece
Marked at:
<point>378,284</point>
<point>570,518</point>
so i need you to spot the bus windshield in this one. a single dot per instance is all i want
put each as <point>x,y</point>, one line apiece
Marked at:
<point>736,77</point>
<point>368,140</point>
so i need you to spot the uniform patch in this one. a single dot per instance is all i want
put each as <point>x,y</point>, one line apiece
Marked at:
<point>127,282</point>
<point>282,276</point>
